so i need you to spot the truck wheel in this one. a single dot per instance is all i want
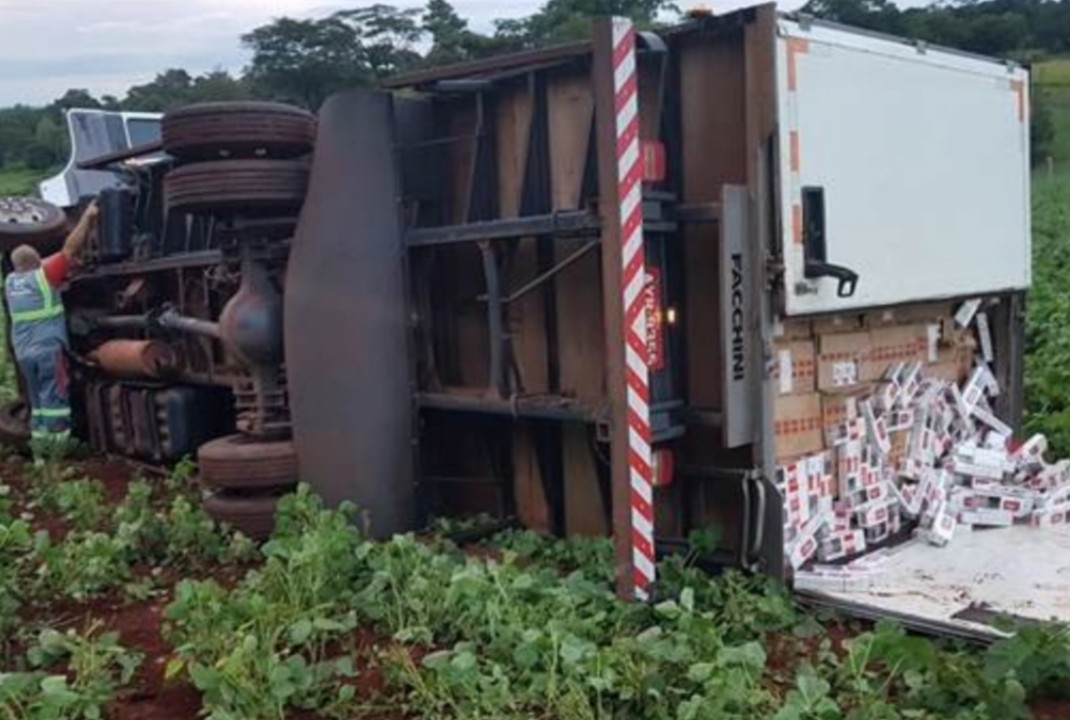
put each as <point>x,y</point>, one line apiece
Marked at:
<point>29,220</point>
<point>238,130</point>
<point>254,186</point>
<point>238,462</point>
<point>15,425</point>
<point>252,515</point>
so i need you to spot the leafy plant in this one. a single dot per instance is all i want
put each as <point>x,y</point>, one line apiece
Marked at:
<point>16,543</point>
<point>1037,656</point>
<point>81,502</point>
<point>82,565</point>
<point>96,666</point>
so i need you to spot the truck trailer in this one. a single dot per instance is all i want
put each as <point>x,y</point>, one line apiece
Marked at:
<point>737,273</point>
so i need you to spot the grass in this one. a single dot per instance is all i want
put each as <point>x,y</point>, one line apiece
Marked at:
<point>20,180</point>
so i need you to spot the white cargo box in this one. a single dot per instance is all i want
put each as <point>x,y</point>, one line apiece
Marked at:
<point>905,164</point>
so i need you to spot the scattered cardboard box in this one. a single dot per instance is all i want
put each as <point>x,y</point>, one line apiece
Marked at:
<point>901,343</point>
<point>841,360</point>
<point>795,367</point>
<point>797,425</point>
<point>831,324</point>
<point>793,329</point>
<point>908,314</point>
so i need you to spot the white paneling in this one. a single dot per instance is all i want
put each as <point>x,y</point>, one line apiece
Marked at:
<point>924,159</point>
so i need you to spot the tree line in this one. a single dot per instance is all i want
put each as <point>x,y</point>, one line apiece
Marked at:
<point>303,61</point>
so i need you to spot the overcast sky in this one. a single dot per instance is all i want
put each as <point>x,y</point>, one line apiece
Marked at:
<point>48,46</point>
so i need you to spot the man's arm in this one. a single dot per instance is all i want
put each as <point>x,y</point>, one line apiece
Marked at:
<point>74,242</point>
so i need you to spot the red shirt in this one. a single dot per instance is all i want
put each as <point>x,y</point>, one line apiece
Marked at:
<point>56,267</point>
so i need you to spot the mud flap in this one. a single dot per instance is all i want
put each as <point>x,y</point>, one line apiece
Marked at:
<point>345,320</point>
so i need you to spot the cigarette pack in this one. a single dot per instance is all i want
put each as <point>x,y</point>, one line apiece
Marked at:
<point>878,533</point>
<point>984,336</point>
<point>910,383</point>
<point>848,431</point>
<point>984,415</point>
<point>1047,518</point>
<point>1032,450</point>
<point>958,400</point>
<point>1054,497</point>
<point>873,513</point>
<point>986,517</point>
<point>900,420</point>
<point>966,312</point>
<point>873,493</point>
<point>876,428</point>
<point>909,499</point>
<point>833,580</point>
<point>841,544</point>
<point>1052,476</point>
<point>940,529</point>
<point>988,379</point>
<point>805,546</point>
<point>974,390</point>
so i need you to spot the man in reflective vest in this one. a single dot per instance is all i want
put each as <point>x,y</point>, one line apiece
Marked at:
<point>39,334</point>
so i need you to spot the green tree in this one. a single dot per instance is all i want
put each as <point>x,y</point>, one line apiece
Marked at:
<point>49,134</point>
<point>76,98</point>
<point>880,15</point>
<point>562,20</point>
<point>170,89</point>
<point>1041,128</point>
<point>218,86</point>
<point>18,126</point>
<point>304,61</point>
<point>451,40</point>
<point>386,35</point>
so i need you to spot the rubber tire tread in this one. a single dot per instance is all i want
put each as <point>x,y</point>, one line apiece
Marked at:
<point>235,462</point>
<point>253,515</point>
<point>238,129</point>
<point>37,235</point>
<point>237,184</point>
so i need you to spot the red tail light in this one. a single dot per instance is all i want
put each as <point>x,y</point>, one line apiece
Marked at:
<point>663,467</point>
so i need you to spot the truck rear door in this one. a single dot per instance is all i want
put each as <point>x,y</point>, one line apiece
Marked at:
<point>904,165</point>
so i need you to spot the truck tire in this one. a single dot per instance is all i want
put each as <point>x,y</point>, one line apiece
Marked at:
<point>252,515</point>
<point>30,221</point>
<point>276,187</point>
<point>238,462</point>
<point>15,425</point>
<point>238,130</point>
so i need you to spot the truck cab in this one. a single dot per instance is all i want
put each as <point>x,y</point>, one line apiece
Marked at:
<point>93,133</point>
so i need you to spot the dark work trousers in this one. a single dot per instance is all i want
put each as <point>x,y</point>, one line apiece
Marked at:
<point>44,370</point>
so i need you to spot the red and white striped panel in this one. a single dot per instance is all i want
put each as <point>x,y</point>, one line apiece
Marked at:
<point>630,192</point>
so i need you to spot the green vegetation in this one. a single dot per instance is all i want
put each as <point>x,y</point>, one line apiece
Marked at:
<point>20,180</point>
<point>323,619</point>
<point>1047,372</point>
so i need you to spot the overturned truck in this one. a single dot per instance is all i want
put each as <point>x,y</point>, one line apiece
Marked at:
<point>756,271</point>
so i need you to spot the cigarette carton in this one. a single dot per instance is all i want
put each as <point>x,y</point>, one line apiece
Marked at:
<point>984,337</point>
<point>966,312</point>
<point>841,544</point>
<point>986,517</point>
<point>940,530</point>
<point>833,580</point>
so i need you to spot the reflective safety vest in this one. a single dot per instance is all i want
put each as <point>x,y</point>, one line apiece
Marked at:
<point>36,310</point>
